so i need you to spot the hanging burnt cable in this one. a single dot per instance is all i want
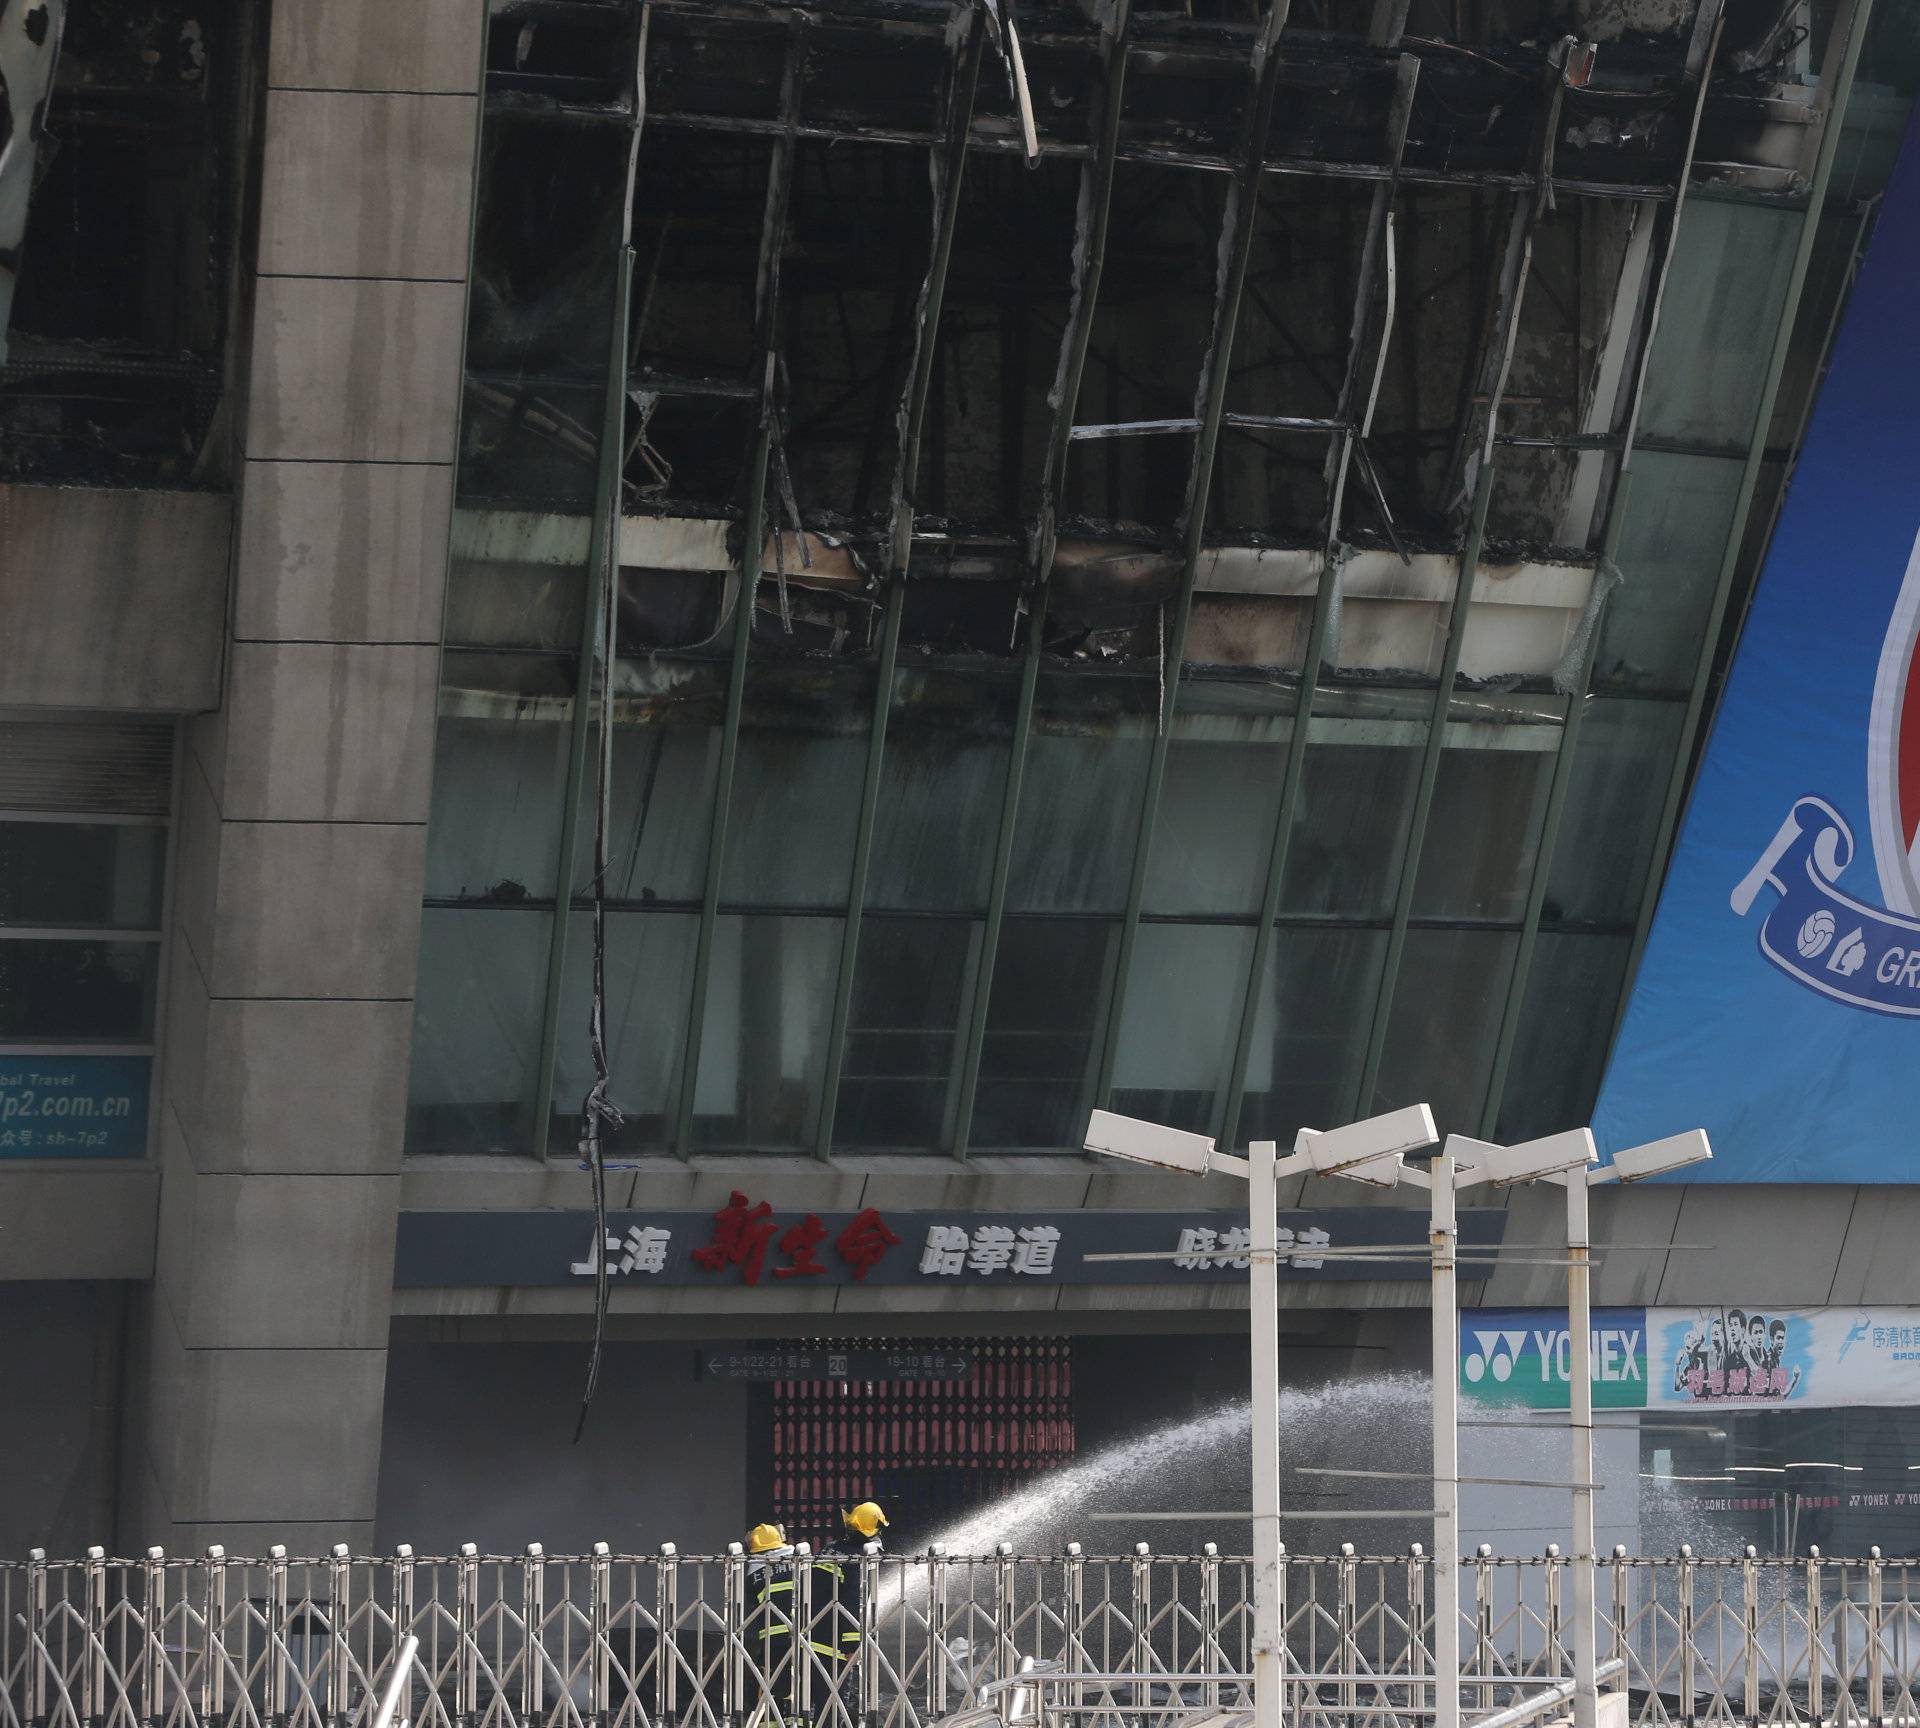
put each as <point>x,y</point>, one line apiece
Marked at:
<point>599,1116</point>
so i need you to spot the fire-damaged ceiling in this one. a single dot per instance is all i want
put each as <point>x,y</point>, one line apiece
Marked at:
<point>1055,303</point>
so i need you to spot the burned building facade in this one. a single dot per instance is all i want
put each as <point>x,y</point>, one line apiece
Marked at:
<point>870,577</point>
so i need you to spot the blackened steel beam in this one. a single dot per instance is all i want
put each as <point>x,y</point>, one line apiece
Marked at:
<point>1379,246</point>
<point>1091,225</point>
<point>752,537</point>
<point>1848,49</point>
<point>1239,218</point>
<point>1000,142</point>
<point>1496,365</point>
<point>949,168</point>
<point>1580,691</point>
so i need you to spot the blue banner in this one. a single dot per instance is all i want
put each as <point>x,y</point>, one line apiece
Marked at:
<point>74,1106</point>
<point>1778,1001</point>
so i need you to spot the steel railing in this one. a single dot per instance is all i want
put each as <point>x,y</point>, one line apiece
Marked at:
<point>634,1641</point>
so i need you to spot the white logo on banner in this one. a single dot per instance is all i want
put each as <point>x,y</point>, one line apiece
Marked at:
<point>1493,1353</point>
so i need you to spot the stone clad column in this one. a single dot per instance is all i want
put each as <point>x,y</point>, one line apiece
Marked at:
<point>260,1363</point>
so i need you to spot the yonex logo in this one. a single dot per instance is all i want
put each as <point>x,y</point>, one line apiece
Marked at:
<point>1493,1353</point>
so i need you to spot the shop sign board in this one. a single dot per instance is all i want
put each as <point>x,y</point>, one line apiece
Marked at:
<point>748,1242</point>
<point>74,1106</point>
<point>1728,1357</point>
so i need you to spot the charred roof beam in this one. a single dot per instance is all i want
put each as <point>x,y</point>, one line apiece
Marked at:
<point>1496,365</point>
<point>753,533</point>
<point>1092,223</point>
<point>966,43</point>
<point>1378,249</point>
<point>1239,219</point>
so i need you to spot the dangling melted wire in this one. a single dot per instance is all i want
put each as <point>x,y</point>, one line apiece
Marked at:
<point>598,1115</point>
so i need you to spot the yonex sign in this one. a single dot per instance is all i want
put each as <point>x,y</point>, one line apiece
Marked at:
<point>1524,1356</point>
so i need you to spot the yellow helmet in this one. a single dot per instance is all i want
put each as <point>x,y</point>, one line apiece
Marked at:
<point>866,1518</point>
<point>763,1538</point>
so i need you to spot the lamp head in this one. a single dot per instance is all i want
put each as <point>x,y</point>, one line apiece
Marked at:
<point>1657,1157</point>
<point>1148,1143</point>
<point>1531,1160</point>
<point>1369,1150</point>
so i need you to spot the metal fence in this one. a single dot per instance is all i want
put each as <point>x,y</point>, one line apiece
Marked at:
<point>624,1641</point>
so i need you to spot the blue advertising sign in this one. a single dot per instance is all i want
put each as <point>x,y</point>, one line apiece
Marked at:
<point>74,1106</point>
<point>1778,1001</point>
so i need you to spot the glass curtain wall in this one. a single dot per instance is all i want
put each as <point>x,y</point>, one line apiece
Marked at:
<point>792,969</point>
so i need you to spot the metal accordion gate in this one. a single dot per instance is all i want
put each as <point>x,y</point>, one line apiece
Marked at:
<point>929,1449</point>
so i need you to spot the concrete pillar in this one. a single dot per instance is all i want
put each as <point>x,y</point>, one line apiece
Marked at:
<point>261,1350</point>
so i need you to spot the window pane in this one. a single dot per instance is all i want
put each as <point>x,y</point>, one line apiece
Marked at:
<point>649,977</point>
<point>74,991</point>
<point>902,1032</point>
<point>495,832</point>
<point>1182,1011</point>
<point>796,789</point>
<point>1565,1025</point>
<point>666,741</point>
<point>1446,1015</point>
<point>1049,983</point>
<point>1620,767</point>
<point>1309,1031</point>
<point>476,1030</point>
<point>1717,322</point>
<point>1226,764</point>
<point>1678,517</point>
<point>769,999</point>
<point>942,783</point>
<point>1080,801</point>
<point>78,874</point>
<point>1355,797</point>
<point>1484,826</point>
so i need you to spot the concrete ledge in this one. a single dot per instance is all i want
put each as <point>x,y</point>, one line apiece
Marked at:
<point>112,598</point>
<point>77,1220</point>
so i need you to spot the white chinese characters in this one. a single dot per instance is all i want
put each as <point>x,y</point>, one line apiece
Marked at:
<point>642,1249</point>
<point>1026,1250</point>
<point>1200,1249</point>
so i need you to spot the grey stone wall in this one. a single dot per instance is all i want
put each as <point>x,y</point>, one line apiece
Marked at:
<point>261,1345</point>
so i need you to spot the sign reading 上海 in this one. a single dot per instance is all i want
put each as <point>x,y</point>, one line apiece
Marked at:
<point>811,1362</point>
<point>74,1106</point>
<point>749,1242</point>
<point>1723,1357</point>
<point>1778,1001</point>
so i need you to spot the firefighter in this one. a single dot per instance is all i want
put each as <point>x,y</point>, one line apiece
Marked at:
<point>770,1590</point>
<point>837,1580</point>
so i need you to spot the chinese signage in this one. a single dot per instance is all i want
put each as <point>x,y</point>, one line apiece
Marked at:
<point>1778,1002</point>
<point>781,1362</point>
<point>748,1242</point>
<point>74,1106</point>
<point>1721,1357</point>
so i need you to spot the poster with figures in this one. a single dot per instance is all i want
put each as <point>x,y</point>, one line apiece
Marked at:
<point>1728,1356</point>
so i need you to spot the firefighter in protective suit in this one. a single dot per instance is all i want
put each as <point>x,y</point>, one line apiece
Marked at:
<point>770,1593</point>
<point>836,1579</point>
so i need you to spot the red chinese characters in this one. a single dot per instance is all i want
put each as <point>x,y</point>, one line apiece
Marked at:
<point>743,1232</point>
<point>864,1243</point>
<point>800,1244</point>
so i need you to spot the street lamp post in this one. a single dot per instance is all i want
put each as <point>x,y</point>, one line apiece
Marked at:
<point>1633,1165</point>
<point>1569,1159</point>
<point>1367,1151</point>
